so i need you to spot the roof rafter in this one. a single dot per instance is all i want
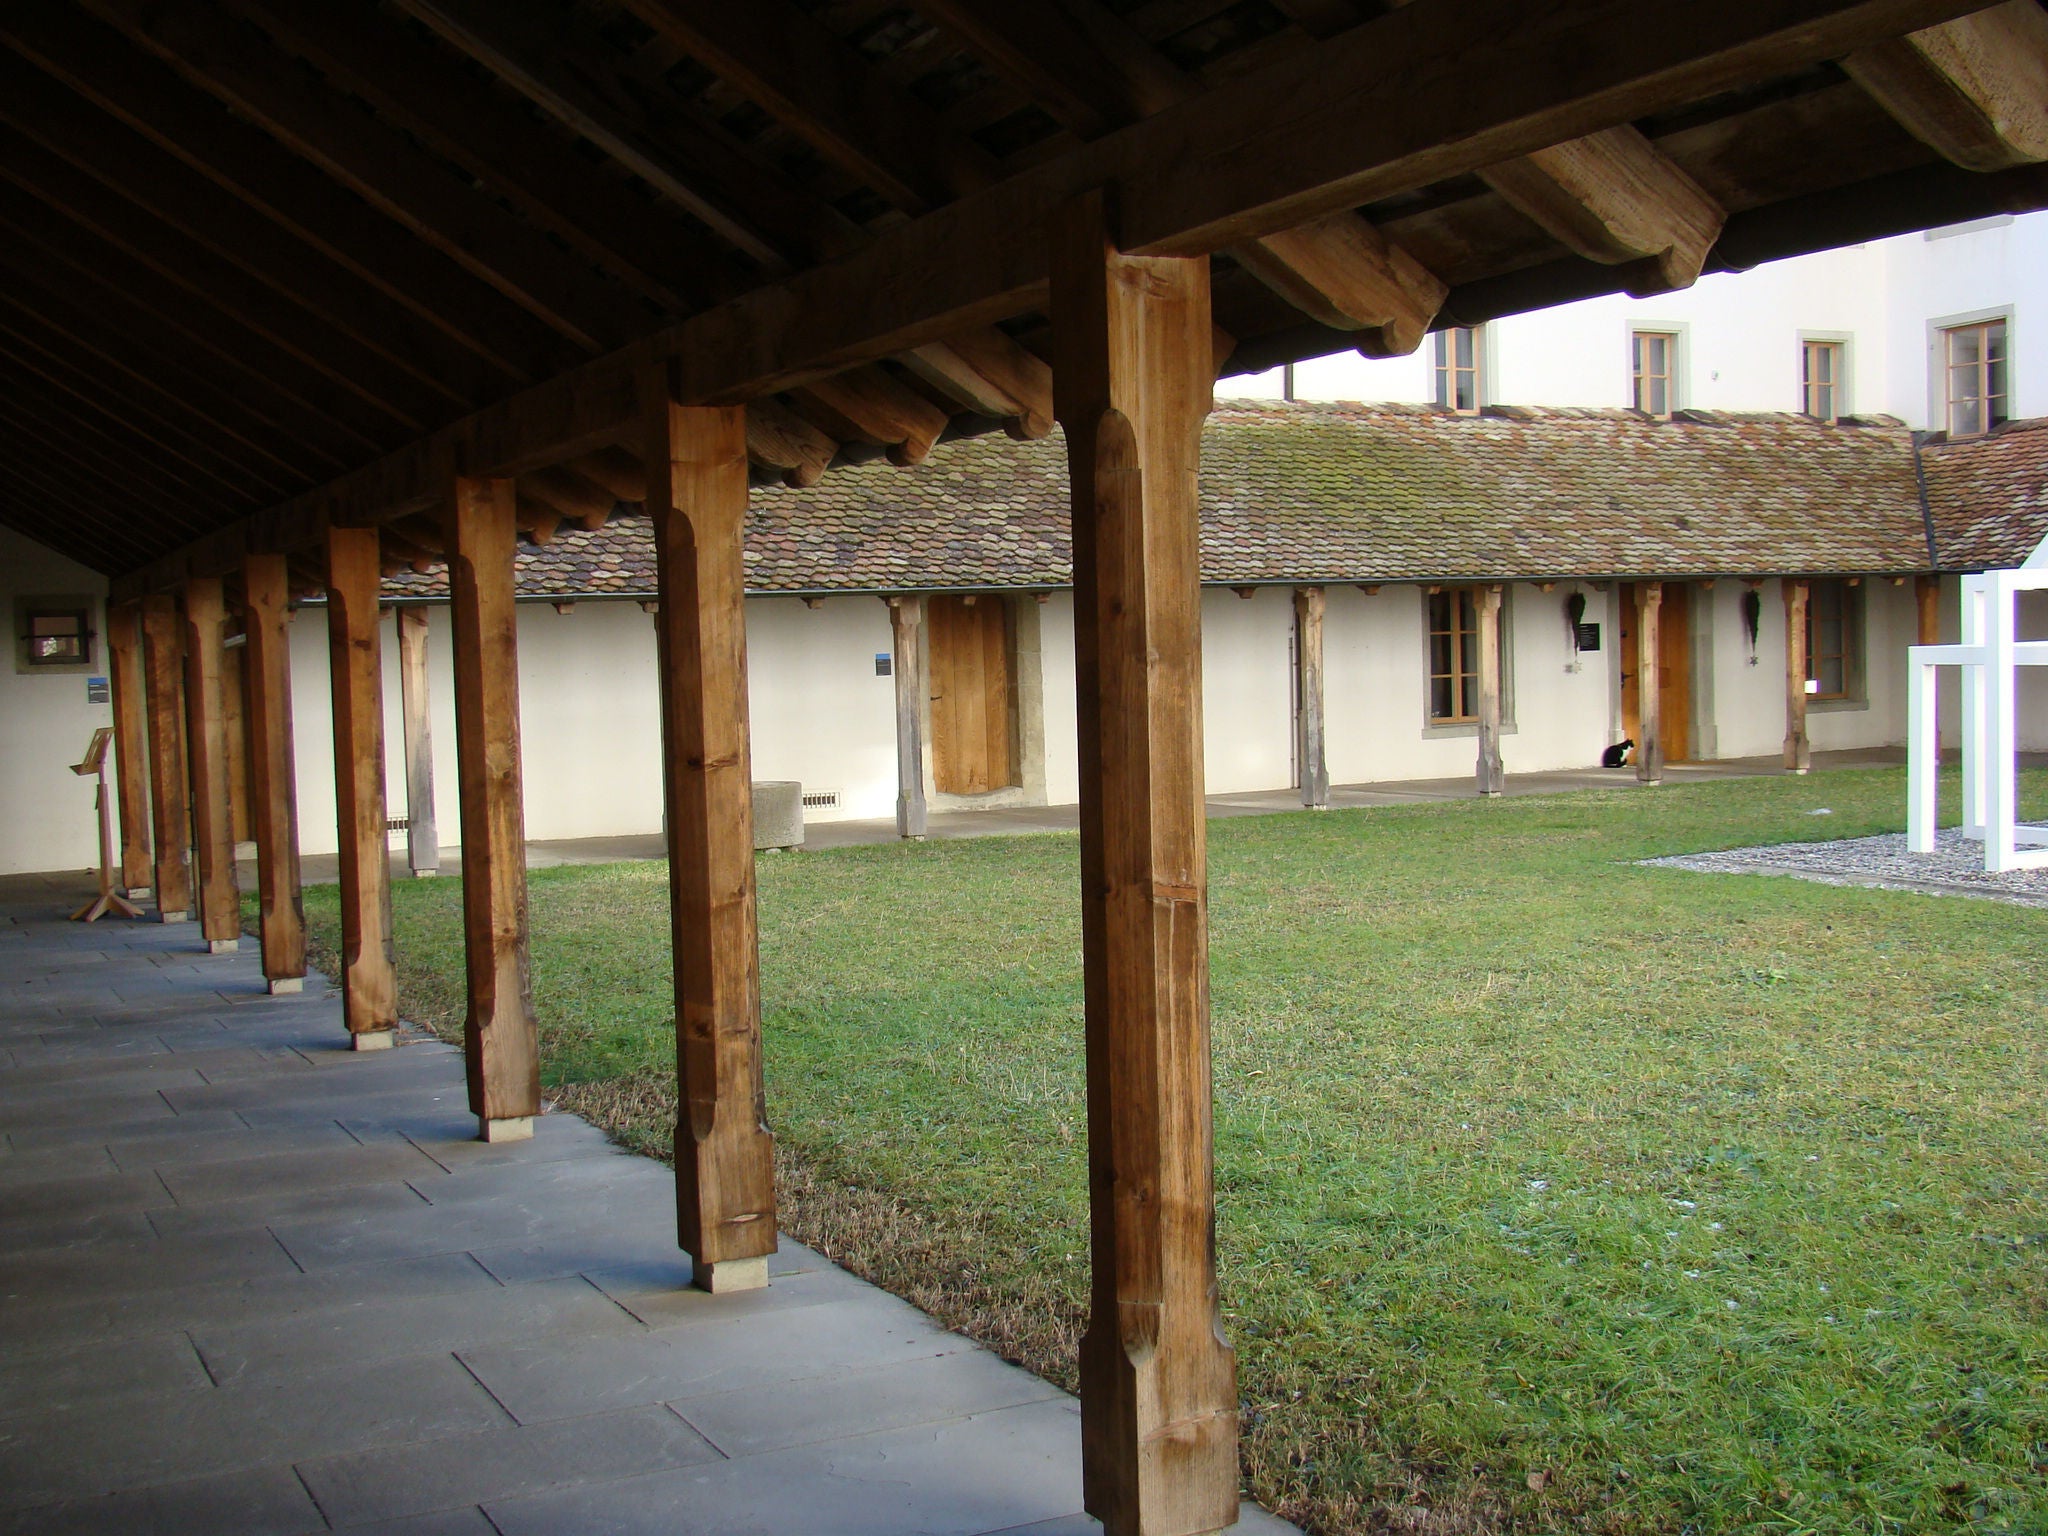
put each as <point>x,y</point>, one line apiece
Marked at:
<point>1974,89</point>
<point>234,62</point>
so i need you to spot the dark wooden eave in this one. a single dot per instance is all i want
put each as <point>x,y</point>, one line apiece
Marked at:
<point>273,263</point>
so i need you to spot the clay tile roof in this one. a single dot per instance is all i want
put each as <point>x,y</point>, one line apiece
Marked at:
<point>1342,492</point>
<point>1988,496</point>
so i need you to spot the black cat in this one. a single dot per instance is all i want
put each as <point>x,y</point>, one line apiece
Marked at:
<point>1617,755</point>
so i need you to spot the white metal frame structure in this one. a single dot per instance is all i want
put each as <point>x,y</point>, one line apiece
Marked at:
<point>1990,654</point>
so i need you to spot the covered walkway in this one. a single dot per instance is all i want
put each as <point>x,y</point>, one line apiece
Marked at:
<point>257,1283</point>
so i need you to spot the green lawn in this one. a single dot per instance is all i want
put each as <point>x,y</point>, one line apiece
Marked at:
<point>1555,1192</point>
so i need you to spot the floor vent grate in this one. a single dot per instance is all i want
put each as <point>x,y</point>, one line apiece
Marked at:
<point>821,799</point>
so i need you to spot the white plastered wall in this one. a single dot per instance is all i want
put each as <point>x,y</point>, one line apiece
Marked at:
<point>1247,689</point>
<point>46,811</point>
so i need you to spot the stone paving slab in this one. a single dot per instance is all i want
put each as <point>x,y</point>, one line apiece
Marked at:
<point>254,1282</point>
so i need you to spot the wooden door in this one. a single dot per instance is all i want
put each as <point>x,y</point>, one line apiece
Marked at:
<point>1674,668</point>
<point>972,664</point>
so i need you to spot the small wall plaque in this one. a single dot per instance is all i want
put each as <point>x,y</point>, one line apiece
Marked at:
<point>1586,637</point>
<point>97,691</point>
<point>882,664</point>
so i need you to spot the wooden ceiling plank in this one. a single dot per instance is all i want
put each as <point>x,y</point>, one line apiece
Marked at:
<point>41,349</point>
<point>230,59</point>
<point>65,125</point>
<point>62,525</point>
<point>1974,89</point>
<point>866,404</point>
<point>1613,198</point>
<point>150,99</point>
<point>674,263</point>
<point>573,75</point>
<point>280,415</point>
<point>352,423</point>
<point>101,400</point>
<point>100,343</point>
<point>293,326</point>
<point>820,86</point>
<point>94,437</point>
<point>124,489</point>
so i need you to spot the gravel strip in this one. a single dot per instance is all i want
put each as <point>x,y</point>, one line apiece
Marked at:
<point>1955,868</point>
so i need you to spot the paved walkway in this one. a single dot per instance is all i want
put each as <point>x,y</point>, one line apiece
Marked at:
<point>255,1284</point>
<point>1067,818</point>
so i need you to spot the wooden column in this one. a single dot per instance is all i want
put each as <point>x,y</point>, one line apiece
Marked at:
<point>1491,775</point>
<point>1308,713</point>
<point>131,748</point>
<point>273,770</point>
<point>906,626</point>
<point>1798,750</point>
<point>206,740</point>
<point>422,836</point>
<point>1132,344</point>
<point>369,989</point>
<point>725,1158</point>
<point>1927,596</point>
<point>1650,681</point>
<point>169,791</point>
<point>500,1039</point>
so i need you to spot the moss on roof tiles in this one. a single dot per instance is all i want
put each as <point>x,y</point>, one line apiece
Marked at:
<point>1342,492</point>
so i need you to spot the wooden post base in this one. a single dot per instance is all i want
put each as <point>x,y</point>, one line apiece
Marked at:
<point>282,985</point>
<point>369,1039</point>
<point>509,1128</point>
<point>730,1275</point>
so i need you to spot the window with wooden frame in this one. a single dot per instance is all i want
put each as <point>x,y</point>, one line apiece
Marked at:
<point>1976,366</point>
<point>1653,362</point>
<point>1834,640</point>
<point>1453,617</point>
<point>53,634</point>
<point>1820,379</point>
<point>1460,364</point>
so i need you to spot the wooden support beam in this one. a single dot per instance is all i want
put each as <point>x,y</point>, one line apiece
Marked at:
<point>1309,737</point>
<point>1491,776</point>
<point>206,741</point>
<point>1974,89</point>
<point>369,986</point>
<point>987,372</point>
<point>906,628</point>
<point>422,837</point>
<point>779,439</point>
<point>1649,682</point>
<point>614,468</point>
<point>1342,271</point>
<point>870,404</point>
<point>587,504</point>
<point>1927,606</point>
<point>125,675</point>
<point>501,1040</point>
<point>725,1156</point>
<point>169,785</point>
<point>273,768</point>
<point>1798,749</point>
<point>536,519</point>
<point>1134,374</point>
<point>1614,198</point>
